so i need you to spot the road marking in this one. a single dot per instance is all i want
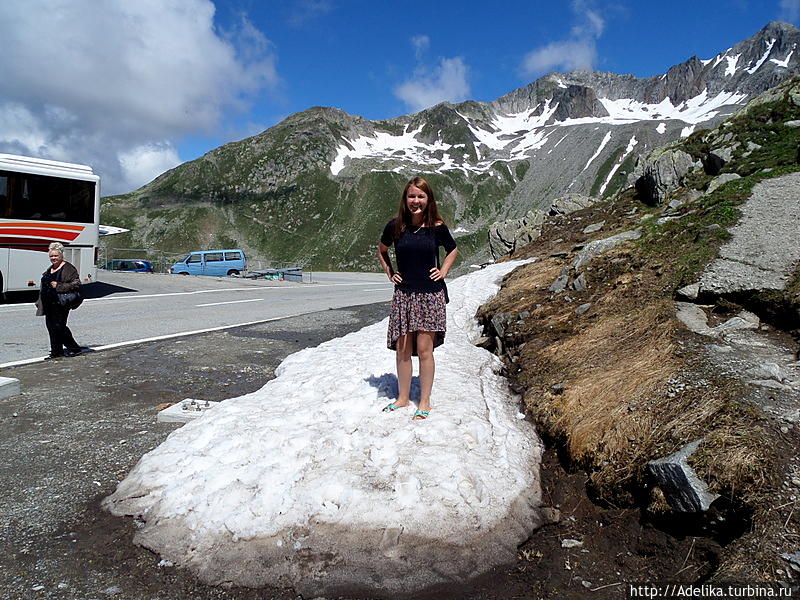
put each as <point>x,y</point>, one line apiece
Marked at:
<point>28,361</point>
<point>230,302</point>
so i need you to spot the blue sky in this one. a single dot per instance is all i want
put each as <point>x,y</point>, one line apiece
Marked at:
<point>134,88</point>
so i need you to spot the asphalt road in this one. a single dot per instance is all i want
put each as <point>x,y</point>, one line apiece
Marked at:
<point>125,308</point>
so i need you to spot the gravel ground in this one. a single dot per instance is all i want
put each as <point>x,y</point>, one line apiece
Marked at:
<point>79,426</point>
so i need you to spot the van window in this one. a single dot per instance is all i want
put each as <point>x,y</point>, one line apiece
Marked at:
<point>194,258</point>
<point>214,257</point>
<point>233,256</point>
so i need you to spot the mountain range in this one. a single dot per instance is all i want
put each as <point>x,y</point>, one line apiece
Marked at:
<point>318,187</point>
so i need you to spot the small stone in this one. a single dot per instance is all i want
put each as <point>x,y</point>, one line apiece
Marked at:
<point>579,283</point>
<point>557,388</point>
<point>784,429</point>
<point>594,227</point>
<point>586,584</point>
<point>690,292</point>
<point>569,543</point>
<point>583,308</point>
<point>550,515</point>
<point>37,588</point>
<point>112,591</point>
<point>62,586</point>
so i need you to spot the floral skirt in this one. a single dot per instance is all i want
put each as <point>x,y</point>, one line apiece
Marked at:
<point>416,311</point>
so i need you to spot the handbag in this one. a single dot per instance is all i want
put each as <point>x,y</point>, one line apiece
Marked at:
<point>70,300</point>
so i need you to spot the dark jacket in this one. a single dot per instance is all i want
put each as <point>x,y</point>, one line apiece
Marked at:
<point>67,280</point>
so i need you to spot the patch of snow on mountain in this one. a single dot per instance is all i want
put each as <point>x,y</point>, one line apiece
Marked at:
<point>763,59</point>
<point>732,60</point>
<point>785,62</point>
<point>516,136</point>
<point>701,108</point>
<point>631,144</point>
<point>384,144</point>
<point>605,141</point>
<point>557,143</point>
<point>687,131</point>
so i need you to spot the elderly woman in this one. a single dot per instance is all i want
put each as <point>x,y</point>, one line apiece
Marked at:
<point>60,278</point>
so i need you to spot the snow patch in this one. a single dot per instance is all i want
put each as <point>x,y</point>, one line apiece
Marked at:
<point>731,69</point>
<point>306,482</point>
<point>631,144</point>
<point>662,127</point>
<point>763,59</point>
<point>605,141</point>
<point>785,62</point>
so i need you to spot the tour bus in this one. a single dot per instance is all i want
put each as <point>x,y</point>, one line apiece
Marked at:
<point>45,201</point>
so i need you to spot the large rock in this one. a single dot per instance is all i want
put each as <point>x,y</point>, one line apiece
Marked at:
<point>507,236</point>
<point>660,172</point>
<point>307,484</point>
<point>683,489</point>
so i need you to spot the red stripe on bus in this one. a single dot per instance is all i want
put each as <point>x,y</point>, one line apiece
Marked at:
<point>41,225</point>
<point>24,243</point>
<point>61,235</point>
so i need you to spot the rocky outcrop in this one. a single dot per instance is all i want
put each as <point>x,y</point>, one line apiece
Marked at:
<point>507,236</point>
<point>661,172</point>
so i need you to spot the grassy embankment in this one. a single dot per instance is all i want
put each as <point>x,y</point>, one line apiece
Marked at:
<point>624,383</point>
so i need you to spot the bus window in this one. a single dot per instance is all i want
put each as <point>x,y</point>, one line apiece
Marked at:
<point>4,201</point>
<point>31,196</point>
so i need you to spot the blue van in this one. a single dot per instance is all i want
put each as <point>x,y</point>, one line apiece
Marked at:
<point>211,262</point>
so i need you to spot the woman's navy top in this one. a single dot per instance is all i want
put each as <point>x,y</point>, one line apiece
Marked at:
<point>416,252</point>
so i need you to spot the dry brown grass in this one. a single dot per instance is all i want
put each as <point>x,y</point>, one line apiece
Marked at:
<point>618,408</point>
<point>608,368</point>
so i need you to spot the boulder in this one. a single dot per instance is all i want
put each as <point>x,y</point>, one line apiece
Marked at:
<point>720,180</point>
<point>507,236</point>
<point>660,172</point>
<point>683,489</point>
<point>570,203</point>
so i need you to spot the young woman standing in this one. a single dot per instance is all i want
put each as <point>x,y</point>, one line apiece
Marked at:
<point>417,322</point>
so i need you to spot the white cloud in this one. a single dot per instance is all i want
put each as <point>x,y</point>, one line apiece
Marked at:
<point>139,163</point>
<point>790,10</point>
<point>117,80</point>
<point>577,52</point>
<point>448,81</point>
<point>421,43</point>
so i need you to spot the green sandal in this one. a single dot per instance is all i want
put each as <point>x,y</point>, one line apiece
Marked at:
<point>392,407</point>
<point>420,415</point>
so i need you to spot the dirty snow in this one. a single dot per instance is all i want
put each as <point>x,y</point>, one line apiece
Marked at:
<point>308,468</point>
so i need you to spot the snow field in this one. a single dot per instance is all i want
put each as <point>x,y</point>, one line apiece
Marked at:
<point>309,464</point>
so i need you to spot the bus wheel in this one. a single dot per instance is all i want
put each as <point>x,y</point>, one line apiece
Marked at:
<point>232,272</point>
